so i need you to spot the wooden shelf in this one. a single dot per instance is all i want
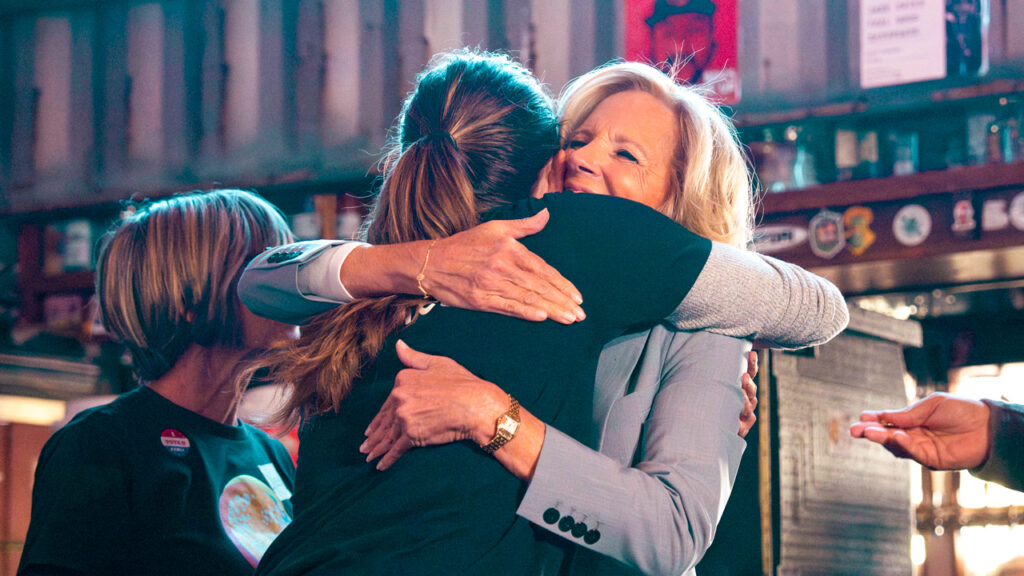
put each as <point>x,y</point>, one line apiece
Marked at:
<point>66,282</point>
<point>34,285</point>
<point>850,192</point>
<point>889,100</point>
<point>29,203</point>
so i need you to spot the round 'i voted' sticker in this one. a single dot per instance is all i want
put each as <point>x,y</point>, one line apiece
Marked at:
<point>175,442</point>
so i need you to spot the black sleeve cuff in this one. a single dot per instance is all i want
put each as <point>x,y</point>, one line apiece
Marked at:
<point>1005,464</point>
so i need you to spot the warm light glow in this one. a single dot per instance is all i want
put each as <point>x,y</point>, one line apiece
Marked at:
<point>975,493</point>
<point>937,495</point>
<point>1001,496</point>
<point>996,382</point>
<point>972,492</point>
<point>985,548</point>
<point>916,491</point>
<point>917,550</point>
<point>24,410</point>
<point>910,387</point>
<point>882,305</point>
<point>992,381</point>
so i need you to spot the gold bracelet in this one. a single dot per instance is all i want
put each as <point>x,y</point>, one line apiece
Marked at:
<point>421,276</point>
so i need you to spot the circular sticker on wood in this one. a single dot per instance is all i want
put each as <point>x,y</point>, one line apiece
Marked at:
<point>912,225</point>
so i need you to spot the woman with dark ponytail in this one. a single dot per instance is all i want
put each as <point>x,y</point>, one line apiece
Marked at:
<point>469,145</point>
<point>472,138</point>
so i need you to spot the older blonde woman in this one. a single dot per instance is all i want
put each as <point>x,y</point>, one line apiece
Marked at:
<point>666,402</point>
<point>166,479</point>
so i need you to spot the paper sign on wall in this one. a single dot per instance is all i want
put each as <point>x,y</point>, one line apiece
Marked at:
<point>902,41</point>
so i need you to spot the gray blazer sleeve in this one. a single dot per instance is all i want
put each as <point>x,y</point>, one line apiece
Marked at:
<point>659,515</point>
<point>269,286</point>
<point>749,295</point>
<point>738,293</point>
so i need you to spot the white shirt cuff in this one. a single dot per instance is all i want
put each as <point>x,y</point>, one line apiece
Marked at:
<point>320,278</point>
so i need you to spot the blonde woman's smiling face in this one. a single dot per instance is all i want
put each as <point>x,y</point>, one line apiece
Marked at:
<point>624,148</point>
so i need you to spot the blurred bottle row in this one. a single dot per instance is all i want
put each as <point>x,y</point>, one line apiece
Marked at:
<point>821,150</point>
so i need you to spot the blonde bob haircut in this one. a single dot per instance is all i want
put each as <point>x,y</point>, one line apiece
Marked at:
<point>712,179</point>
<point>166,275</point>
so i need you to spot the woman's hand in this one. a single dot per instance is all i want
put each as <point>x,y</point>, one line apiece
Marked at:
<point>485,268</point>
<point>552,176</point>
<point>434,401</point>
<point>749,416</point>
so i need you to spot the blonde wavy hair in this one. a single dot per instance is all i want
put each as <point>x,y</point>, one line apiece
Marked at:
<point>166,274</point>
<point>714,190</point>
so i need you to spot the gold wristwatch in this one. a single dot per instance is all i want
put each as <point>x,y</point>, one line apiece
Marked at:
<point>508,423</point>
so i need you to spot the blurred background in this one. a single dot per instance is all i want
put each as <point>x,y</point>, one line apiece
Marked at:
<point>886,135</point>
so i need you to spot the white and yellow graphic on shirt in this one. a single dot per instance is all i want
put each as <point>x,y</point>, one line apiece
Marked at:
<point>252,516</point>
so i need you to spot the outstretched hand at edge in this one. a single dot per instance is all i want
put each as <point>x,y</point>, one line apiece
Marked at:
<point>941,431</point>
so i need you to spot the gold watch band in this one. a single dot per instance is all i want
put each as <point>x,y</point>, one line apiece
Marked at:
<point>506,425</point>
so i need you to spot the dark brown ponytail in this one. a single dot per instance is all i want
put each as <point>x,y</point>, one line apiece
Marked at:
<point>473,136</point>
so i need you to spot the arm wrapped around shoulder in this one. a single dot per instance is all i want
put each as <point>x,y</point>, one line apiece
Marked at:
<point>749,295</point>
<point>276,284</point>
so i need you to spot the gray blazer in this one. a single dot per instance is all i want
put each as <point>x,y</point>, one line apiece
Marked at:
<point>667,406</point>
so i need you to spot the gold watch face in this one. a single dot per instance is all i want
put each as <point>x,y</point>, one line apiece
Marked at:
<point>508,426</point>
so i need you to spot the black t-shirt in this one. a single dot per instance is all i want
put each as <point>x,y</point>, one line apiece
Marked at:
<point>451,509</point>
<point>143,486</point>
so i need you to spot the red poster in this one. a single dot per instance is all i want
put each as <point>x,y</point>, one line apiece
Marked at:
<point>696,37</point>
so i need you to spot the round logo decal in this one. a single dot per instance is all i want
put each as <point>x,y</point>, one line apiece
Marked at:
<point>175,442</point>
<point>252,516</point>
<point>827,235</point>
<point>912,225</point>
<point>963,216</point>
<point>857,221</point>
